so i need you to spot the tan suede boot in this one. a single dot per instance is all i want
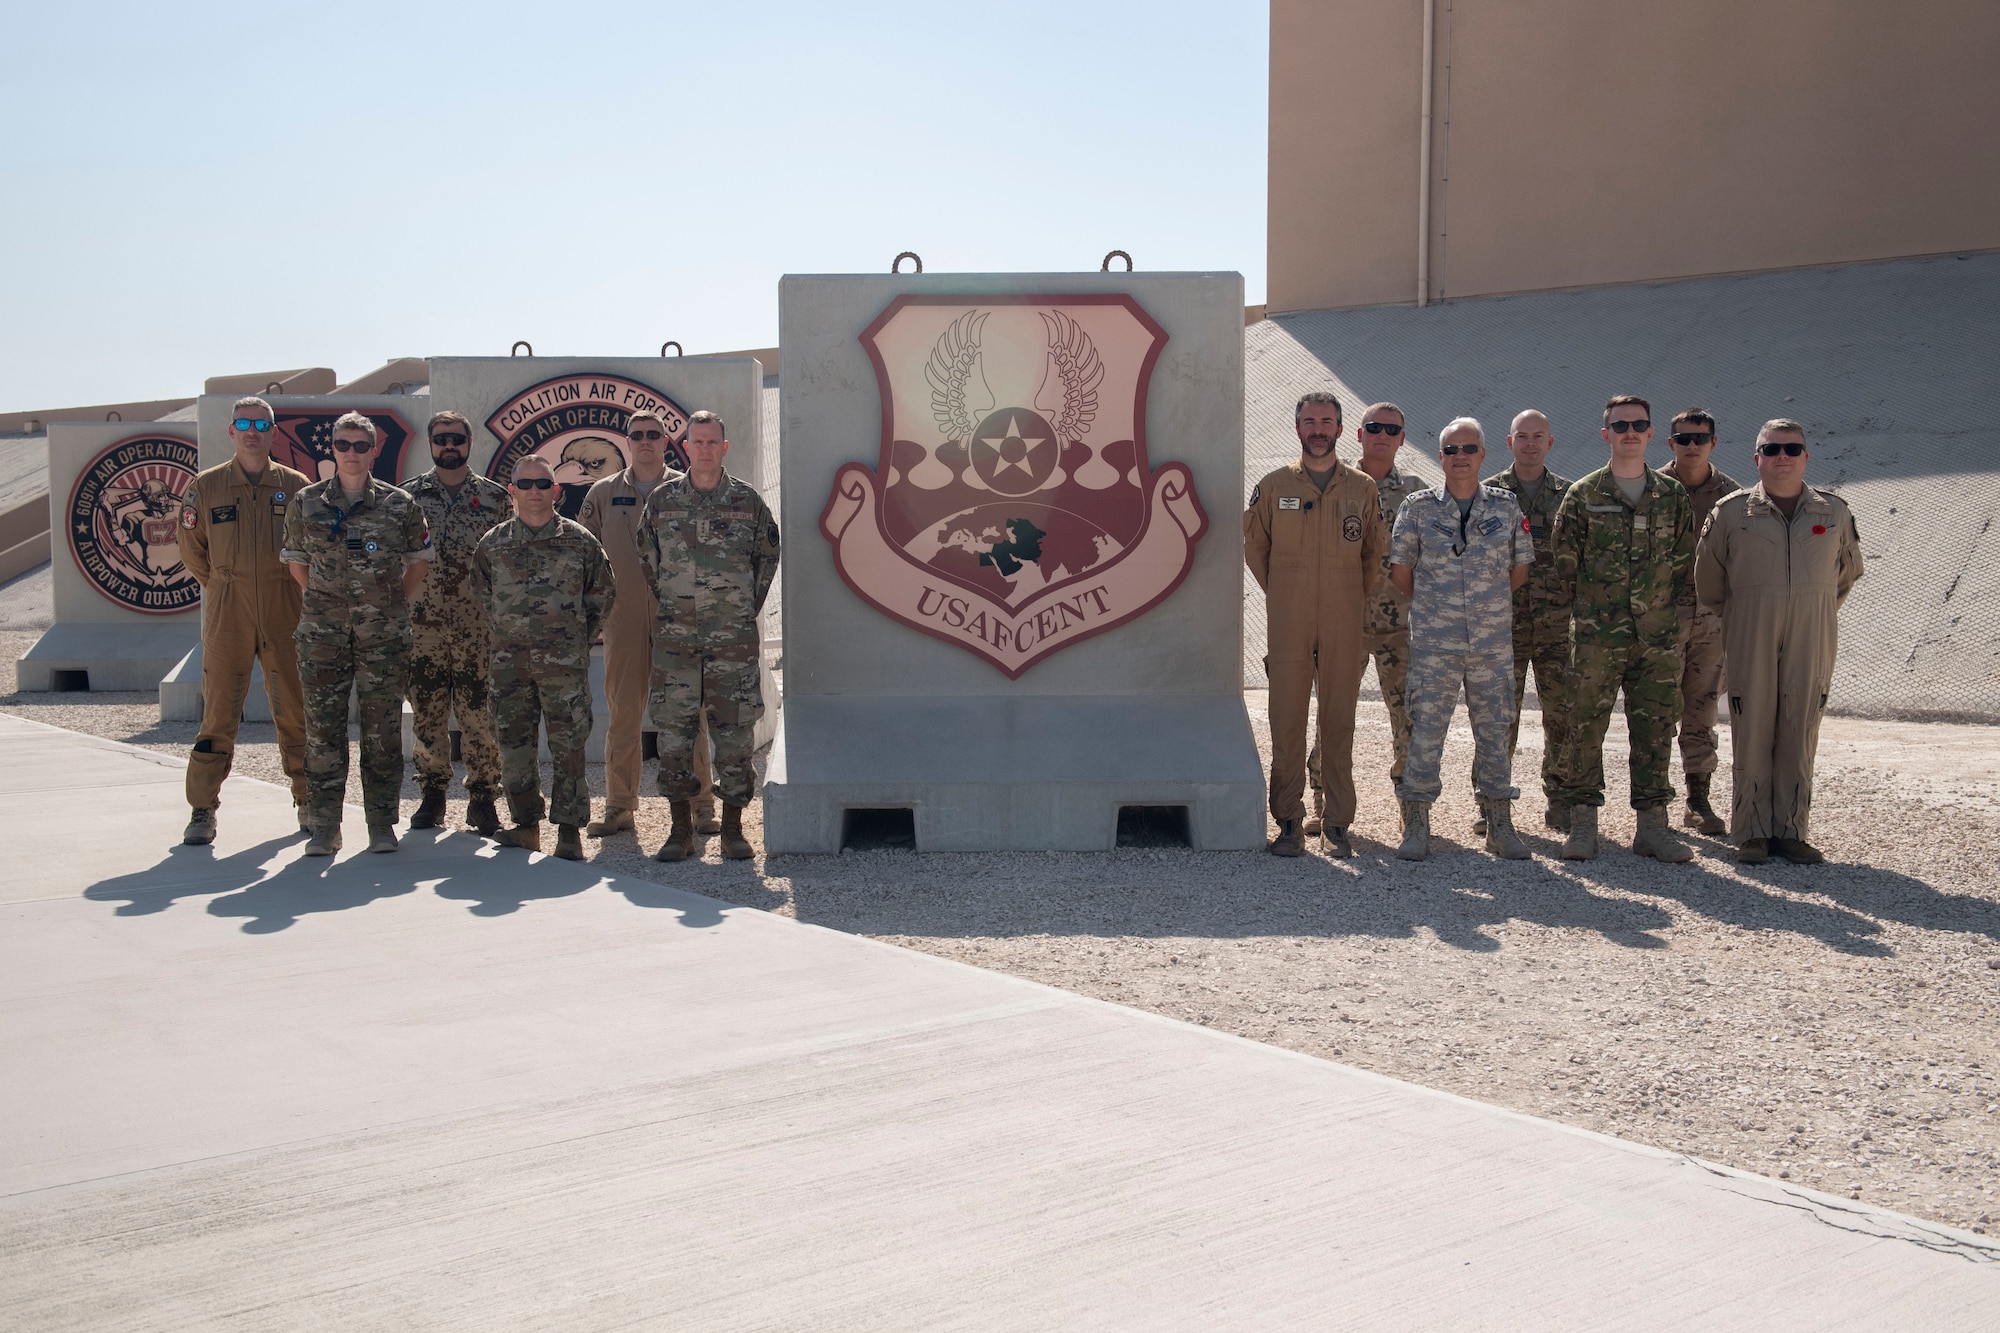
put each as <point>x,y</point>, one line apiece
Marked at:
<point>614,821</point>
<point>1582,842</point>
<point>735,847</point>
<point>679,845</point>
<point>1501,839</point>
<point>1656,839</point>
<point>528,837</point>
<point>1416,844</point>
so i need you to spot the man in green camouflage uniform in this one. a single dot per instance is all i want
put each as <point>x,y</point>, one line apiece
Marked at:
<point>1624,542</point>
<point>359,548</point>
<point>1385,629</point>
<point>710,550</point>
<point>1693,440</point>
<point>1541,605</point>
<point>548,587</point>
<point>450,639</point>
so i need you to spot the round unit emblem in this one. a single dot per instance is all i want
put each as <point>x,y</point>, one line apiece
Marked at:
<point>1350,527</point>
<point>125,522</point>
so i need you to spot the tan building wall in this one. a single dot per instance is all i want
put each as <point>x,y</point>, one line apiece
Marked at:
<point>1584,142</point>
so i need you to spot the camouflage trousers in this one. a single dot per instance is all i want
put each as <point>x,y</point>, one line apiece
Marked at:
<point>724,686</point>
<point>1650,676</point>
<point>1392,670</point>
<point>1435,680</point>
<point>1551,664</point>
<point>331,665</point>
<point>1701,689</point>
<point>525,698</point>
<point>441,689</point>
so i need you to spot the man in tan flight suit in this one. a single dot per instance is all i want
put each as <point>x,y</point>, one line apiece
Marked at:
<point>1693,440</point>
<point>1314,539</point>
<point>232,528</point>
<point>1776,561</point>
<point>611,510</point>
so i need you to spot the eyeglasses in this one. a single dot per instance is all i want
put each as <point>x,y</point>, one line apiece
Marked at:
<point>260,425</point>
<point>534,483</point>
<point>1454,450</point>
<point>459,441</point>
<point>646,435</point>
<point>1685,437</point>
<point>1789,448</point>
<point>1639,427</point>
<point>1389,428</point>
<point>353,446</point>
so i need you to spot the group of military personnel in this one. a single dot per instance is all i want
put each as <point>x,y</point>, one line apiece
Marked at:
<point>479,602</point>
<point>1657,584</point>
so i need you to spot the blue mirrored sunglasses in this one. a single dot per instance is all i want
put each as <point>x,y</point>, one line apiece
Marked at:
<point>245,423</point>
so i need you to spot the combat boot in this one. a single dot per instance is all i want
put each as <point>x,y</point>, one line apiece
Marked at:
<point>324,842</point>
<point>1582,842</point>
<point>1656,838</point>
<point>430,810</point>
<point>1556,816</point>
<point>1416,844</point>
<point>704,817</point>
<point>1701,815</point>
<point>1501,839</point>
<point>1753,852</point>
<point>735,847</point>
<point>200,830</point>
<point>1291,839</point>
<point>381,838</point>
<point>569,843</point>
<point>305,825</point>
<point>614,821</point>
<point>1316,821</point>
<point>528,837</point>
<point>1798,851</point>
<point>1479,824</point>
<point>1338,843</point>
<point>679,845</point>
<point>482,817</point>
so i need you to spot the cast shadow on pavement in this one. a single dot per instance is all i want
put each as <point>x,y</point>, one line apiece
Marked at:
<point>243,885</point>
<point>188,872</point>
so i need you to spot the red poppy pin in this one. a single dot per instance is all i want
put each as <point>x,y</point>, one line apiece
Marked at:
<point>1819,529</point>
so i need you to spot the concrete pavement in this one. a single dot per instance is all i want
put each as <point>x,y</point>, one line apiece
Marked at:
<point>452,1088</point>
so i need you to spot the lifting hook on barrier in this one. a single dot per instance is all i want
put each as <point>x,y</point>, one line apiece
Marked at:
<point>1105,267</point>
<point>114,415</point>
<point>519,343</point>
<point>670,343</point>
<point>396,388</point>
<point>274,387</point>
<point>896,265</point>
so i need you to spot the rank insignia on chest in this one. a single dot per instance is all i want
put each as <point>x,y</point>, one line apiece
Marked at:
<point>1288,502</point>
<point>1638,522</point>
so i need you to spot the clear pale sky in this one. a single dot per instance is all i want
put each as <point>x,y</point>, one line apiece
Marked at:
<point>214,188</point>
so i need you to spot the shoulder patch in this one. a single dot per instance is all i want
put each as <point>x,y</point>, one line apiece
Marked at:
<point>1255,492</point>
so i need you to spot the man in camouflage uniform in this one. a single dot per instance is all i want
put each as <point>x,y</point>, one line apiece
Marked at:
<point>232,527</point>
<point>359,548</point>
<point>548,588</point>
<point>709,546</point>
<point>1624,542</point>
<point>1541,605</point>
<point>1693,440</point>
<point>1385,630</point>
<point>450,639</point>
<point>1457,552</point>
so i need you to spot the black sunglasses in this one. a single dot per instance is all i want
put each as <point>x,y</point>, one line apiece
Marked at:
<point>353,446</point>
<point>1789,448</point>
<point>452,439</point>
<point>646,435</point>
<point>1388,428</point>
<point>534,483</point>
<point>1454,450</point>
<point>1685,437</point>
<point>1639,427</point>
<point>260,425</point>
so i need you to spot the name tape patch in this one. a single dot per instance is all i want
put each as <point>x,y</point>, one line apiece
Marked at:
<point>1288,502</point>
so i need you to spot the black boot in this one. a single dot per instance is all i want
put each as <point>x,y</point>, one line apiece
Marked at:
<point>482,817</point>
<point>430,810</point>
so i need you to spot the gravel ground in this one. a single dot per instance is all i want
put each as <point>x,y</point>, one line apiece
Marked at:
<point>1833,1026</point>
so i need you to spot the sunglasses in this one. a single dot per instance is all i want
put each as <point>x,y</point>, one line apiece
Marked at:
<point>646,435</point>
<point>534,483</point>
<point>1454,450</point>
<point>353,446</point>
<point>1389,428</point>
<point>1692,437</point>
<point>1639,427</point>
<point>260,425</point>
<point>1789,448</point>
<point>458,441</point>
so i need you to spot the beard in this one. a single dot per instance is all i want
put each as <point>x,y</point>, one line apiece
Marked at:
<point>448,459</point>
<point>1319,445</point>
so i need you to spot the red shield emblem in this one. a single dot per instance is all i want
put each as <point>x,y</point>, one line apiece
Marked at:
<point>1013,511</point>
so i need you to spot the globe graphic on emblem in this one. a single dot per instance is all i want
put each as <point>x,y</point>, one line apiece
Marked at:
<point>1014,451</point>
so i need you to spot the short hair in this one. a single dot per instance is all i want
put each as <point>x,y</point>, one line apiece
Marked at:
<point>355,421</point>
<point>447,418</point>
<point>646,414</point>
<point>702,418</point>
<point>1318,396</point>
<point>1780,423</point>
<point>1624,399</point>
<point>1373,408</point>
<point>252,404</point>
<point>1695,416</point>
<point>1460,423</point>
<point>535,460</point>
